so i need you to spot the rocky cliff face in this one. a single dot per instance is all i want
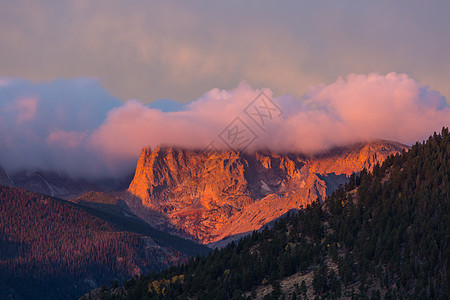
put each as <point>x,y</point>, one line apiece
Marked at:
<point>210,196</point>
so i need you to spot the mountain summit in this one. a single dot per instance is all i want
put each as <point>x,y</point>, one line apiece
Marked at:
<point>211,196</point>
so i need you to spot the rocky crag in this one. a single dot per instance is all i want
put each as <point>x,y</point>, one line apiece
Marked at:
<point>211,196</point>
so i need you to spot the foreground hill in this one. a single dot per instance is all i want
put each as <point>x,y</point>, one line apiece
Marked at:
<point>384,235</point>
<point>51,248</point>
<point>212,196</point>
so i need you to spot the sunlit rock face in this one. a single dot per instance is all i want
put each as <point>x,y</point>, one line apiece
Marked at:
<point>210,196</point>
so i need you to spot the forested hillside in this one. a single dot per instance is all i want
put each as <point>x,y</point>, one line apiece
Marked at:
<point>51,248</point>
<point>385,234</point>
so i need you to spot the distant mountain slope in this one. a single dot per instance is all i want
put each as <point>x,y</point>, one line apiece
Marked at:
<point>4,178</point>
<point>58,184</point>
<point>51,248</point>
<point>211,196</point>
<point>117,213</point>
<point>384,235</point>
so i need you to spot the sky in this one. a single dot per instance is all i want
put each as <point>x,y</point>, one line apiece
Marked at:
<point>84,85</point>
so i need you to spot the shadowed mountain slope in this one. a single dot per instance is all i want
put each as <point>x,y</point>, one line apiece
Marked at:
<point>51,248</point>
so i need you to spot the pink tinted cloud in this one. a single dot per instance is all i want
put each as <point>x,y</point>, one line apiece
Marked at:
<point>4,82</point>
<point>26,109</point>
<point>132,126</point>
<point>362,107</point>
<point>351,109</point>
<point>66,139</point>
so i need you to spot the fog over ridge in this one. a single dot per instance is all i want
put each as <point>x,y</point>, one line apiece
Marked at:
<point>74,125</point>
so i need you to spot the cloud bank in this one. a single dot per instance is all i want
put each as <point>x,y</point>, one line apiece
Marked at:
<point>178,49</point>
<point>76,127</point>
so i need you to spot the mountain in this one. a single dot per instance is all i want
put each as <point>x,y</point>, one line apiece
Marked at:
<point>383,235</point>
<point>217,195</point>
<point>56,249</point>
<point>58,184</point>
<point>4,178</point>
<point>116,212</point>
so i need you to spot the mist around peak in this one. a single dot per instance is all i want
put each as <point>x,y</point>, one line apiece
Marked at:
<point>74,126</point>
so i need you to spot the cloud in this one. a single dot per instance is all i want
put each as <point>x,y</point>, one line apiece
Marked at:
<point>26,109</point>
<point>75,127</point>
<point>66,139</point>
<point>4,82</point>
<point>158,49</point>
<point>364,107</point>
<point>42,126</point>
